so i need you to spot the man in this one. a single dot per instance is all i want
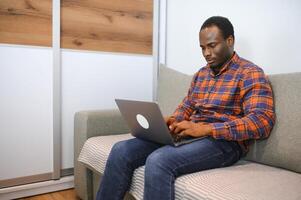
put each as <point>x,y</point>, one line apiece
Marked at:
<point>229,100</point>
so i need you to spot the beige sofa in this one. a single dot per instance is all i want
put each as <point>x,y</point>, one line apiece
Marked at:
<point>271,170</point>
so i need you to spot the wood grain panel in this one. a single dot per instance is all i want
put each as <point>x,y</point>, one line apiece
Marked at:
<point>107,25</point>
<point>26,22</point>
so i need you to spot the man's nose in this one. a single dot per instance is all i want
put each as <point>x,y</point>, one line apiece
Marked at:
<point>207,52</point>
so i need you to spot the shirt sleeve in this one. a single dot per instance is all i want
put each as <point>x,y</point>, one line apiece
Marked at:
<point>186,107</point>
<point>258,106</point>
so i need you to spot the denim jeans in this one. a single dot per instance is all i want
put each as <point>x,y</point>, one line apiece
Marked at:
<point>163,164</point>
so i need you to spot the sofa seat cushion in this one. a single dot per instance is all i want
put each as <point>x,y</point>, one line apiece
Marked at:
<point>95,151</point>
<point>245,180</point>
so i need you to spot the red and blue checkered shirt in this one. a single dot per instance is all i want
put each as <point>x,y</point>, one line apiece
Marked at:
<point>237,102</point>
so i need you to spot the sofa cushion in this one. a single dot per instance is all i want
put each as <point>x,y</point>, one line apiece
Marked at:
<point>283,147</point>
<point>245,180</point>
<point>96,150</point>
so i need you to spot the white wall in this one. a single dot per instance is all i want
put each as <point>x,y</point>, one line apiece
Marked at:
<point>267,32</point>
<point>92,81</point>
<point>25,111</point>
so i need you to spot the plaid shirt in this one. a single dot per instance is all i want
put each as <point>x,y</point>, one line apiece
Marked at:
<point>237,102</point>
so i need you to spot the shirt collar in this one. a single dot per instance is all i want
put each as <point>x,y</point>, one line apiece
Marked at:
<point>233,59</point>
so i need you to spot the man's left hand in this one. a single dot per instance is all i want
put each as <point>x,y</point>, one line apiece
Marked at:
<point>189,128</point>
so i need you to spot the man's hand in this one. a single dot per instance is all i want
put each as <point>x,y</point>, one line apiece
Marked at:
<point>169,120</point>
<point>189,128</point>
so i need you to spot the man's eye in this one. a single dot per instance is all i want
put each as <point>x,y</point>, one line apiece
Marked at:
<point>212,45</point>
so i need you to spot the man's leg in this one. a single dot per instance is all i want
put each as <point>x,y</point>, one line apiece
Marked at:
<point>124,158</point>
<point>166,163</point>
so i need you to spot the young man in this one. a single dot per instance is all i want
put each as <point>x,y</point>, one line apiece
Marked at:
<point>230,100</point>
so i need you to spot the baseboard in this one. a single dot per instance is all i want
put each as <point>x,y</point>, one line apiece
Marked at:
<point>37,188</point>
<point>33,178</point>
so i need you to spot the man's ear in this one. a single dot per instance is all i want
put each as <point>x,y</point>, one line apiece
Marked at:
<point>230,41</point>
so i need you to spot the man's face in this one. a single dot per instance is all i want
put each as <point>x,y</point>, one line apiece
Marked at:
<point>216,50</point>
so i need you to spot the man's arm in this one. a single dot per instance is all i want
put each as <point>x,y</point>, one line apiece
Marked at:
<point>258,106</point>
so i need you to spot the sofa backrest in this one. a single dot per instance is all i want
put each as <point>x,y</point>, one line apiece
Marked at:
<point>283,147</point>
<point>172,88</point>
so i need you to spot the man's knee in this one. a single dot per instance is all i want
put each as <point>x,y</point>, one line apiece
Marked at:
<point>156,162</point>
<point>119,151</point>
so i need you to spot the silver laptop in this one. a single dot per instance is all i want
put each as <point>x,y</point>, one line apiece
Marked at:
<point>146,122</point>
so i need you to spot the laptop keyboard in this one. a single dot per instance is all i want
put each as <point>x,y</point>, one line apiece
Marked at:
<point>177,138</point>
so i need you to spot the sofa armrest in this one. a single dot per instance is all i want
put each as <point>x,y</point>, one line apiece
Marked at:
<point>89,124</point>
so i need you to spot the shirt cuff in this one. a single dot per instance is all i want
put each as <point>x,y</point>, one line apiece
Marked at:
<point>219,130</point>
<point>179,116</point>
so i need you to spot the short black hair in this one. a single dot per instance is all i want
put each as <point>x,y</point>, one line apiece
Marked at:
<point>222,23</point>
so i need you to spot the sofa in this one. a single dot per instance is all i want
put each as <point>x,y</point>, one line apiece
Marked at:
<point>270,170</point>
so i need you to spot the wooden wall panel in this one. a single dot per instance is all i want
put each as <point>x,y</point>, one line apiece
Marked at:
<point>101,25</point>
<point>107,25</point>
<point>26,22</point>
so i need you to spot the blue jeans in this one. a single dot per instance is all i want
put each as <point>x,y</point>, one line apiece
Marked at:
<point>163,164</point>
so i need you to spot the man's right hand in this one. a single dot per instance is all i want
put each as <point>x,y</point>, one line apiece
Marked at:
<point>169,120</point>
